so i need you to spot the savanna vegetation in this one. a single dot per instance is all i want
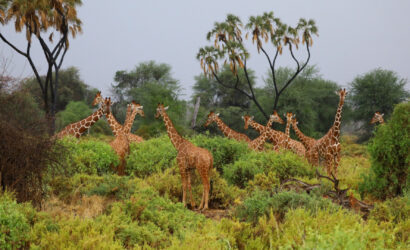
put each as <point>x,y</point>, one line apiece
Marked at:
<point>67,194</point>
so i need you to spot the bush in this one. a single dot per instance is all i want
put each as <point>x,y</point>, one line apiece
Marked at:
<point>14,226</point>
<point>224,150</point>
<point>284,164</point>
<point>260,203</point>
<point>88,156</point>
<point>151,156</point>
<point>390,158</point>
<point>169,184</point>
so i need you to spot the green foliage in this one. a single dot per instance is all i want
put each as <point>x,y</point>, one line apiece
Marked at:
<point>225,151</point>
<point>150,156</point>
<point>376,91</point>
<point>261,203</point>
<point>14,226</point>
<point>395,210</point>
<point>390,158</point>
<point>284,164</point>
<point>169,185</point>
<point>87,156</point>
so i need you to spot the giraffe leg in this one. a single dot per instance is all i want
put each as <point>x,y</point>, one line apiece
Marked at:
<point>205,183</point>
<point>183,171</point>
<point>190,189</point>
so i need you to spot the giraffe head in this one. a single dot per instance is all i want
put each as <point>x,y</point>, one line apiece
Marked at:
<point>342,94</point>
<point>211,118</point>
<point>276,118</point>
<point>290,116</point>
<point>160,110</point>
<point>247,119</point>
<point>294,121</point>
<point>98,99</point>
<point>138,107</point>
<point>378,117</point>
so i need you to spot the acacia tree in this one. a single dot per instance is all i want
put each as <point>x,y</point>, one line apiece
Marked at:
<point>40,19</point>
<point>265,30</point>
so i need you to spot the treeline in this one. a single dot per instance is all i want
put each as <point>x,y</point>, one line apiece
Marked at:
<point>311,97</point>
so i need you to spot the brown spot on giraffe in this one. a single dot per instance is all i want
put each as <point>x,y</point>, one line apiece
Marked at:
<point>328,147</point>
<point>76,129</point>
<point>228,132</point>
<point>189,157</point>
<point>377,117</point>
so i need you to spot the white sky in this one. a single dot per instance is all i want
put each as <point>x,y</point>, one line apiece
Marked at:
<point>354,37</point>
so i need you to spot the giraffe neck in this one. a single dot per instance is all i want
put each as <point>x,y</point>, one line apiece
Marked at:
<point>287,130</point>
<point>303,138</point>
<point>176,139</point>
<point>336,124</point>
<point>258,127</point>
<point>90,120</point>
<point>260,140</point>
<point>223,127</point>
<point>114,124</point>
<point>270,122</point>
<point>129,120</point>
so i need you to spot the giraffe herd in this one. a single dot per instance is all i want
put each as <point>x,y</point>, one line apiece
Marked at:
<point>191,157</point>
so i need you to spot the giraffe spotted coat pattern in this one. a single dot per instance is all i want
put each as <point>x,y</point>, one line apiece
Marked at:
<point>228,132</point>
<point>189,157</point>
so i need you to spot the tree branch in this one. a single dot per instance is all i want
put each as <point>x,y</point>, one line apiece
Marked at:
<point>12,46</point>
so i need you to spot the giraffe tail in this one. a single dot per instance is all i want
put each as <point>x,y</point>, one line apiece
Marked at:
<point>211,184</point>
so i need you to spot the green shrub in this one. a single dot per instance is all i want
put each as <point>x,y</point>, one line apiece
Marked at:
<point>151,156</point>
<point>390,157</point>
<point>169,185</point>
<point>260,203</point>
<point>87,156</point>
<point>284,164</point>
<point>224,150</point>
<point>14,226</point>
<point>395,210</point>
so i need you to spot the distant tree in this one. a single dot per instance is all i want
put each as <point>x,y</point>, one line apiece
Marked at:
<point>229,46</point>
<point>310,97</point>
<point>71,88</point>
<point>378,90</point>
<point>148,83</point>
<point>38,18</point>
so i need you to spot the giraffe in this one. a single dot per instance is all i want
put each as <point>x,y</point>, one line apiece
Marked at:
<point>188,157</point>
<point>293,145</point>
<point>274,118</point>
<point>277,138</point>
<point>78,128</point>
<point>328,146</point>
<point>228,132</point>
<point>377,118</point>
<point>115,126</point>
<point>307,141</point>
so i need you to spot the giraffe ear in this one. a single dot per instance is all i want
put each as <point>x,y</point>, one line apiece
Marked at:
<point>252,117</point>
<point>217,114</point>
<point>166,107</point>
<point>382,114</point>
<point>243,118</point>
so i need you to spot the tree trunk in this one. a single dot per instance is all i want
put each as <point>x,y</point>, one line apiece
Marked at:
<point>198,101</point>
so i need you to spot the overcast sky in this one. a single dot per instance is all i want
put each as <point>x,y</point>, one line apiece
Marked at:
<point>354,37</point>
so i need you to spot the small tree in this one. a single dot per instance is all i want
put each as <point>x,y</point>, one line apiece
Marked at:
<point>265,29</point>
<point>38,17</point>
<point>390,158</point>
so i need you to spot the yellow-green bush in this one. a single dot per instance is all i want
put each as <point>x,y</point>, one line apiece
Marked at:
<point>169,184</point>
<point>224,150</point>
<point>87,156</point>
<point>284,164</point>
<point>390,156</point>
<point>14,225</point>
<point>152,156</point>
